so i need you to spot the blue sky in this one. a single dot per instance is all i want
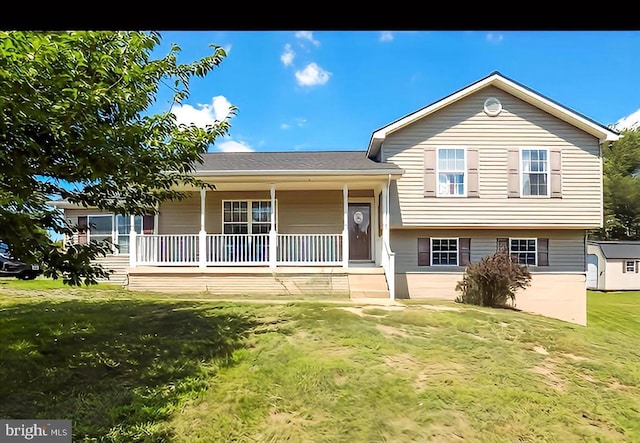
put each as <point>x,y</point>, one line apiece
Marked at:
<point>329,90</point>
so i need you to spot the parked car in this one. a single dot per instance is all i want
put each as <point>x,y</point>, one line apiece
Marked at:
<point>10,267</point>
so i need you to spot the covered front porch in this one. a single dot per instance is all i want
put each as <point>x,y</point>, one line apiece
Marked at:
<point>275,226</point>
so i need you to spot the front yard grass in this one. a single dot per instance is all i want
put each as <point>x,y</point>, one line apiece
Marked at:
<point>125,368</point>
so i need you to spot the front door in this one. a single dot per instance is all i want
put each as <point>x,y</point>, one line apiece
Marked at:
<point>359,231</point>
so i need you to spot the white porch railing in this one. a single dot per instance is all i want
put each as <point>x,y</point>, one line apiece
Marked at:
<point>389,266</point>
<point>237,249</point>
<point>168,249</point>
<point>316,249</point>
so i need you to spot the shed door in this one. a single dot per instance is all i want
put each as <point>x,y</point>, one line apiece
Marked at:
<point>592,271</point>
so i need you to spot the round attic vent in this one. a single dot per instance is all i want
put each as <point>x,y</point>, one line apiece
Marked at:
<point>492,106</point>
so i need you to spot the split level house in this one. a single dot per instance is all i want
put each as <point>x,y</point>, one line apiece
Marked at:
<point>493,164</point>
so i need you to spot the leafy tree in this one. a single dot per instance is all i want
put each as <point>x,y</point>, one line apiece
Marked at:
<point>621,167</point>
<point>75,125</point>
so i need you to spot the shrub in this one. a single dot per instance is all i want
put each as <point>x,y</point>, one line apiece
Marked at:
<point>493,281</point>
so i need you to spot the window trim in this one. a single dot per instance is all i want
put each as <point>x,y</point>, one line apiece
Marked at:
<point>249,222</point>
<point>633,267</point>
<point>431,250</point>
<point>521,171</point>
<point>535,252</point>
<point>113,229</point>
<point>465,172</point>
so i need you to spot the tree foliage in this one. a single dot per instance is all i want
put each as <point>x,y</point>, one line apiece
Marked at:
<point>75,125</point>
<point>621,168</point>
<point>493,281</point>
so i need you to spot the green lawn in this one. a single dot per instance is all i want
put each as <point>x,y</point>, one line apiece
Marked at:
<point>126,367</point>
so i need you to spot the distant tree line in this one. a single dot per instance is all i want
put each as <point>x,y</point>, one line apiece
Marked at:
<point>621,169</point>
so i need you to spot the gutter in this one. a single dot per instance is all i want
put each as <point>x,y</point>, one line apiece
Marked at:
<point>305,172</point>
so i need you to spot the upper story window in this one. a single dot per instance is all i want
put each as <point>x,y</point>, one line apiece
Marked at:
<point>451,172</point>
<point>534,172</point>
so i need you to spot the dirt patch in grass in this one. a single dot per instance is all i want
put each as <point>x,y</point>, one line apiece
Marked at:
<point>547,371</point>
<point>439,308</point>
<point>425,371</point>
<point>390,330</point>
<point>540,350</point>
<point>575,357</point>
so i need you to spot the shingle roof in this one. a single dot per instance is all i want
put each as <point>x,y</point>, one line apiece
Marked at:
<point>318,161</point>
<point>619,249</point>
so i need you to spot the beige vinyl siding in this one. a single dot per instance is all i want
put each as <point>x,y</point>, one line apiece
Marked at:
<point>566,247</point>
<point>464,124</point>
<point>181,216</point>
<point>299,212</point>
<point>310,212</point>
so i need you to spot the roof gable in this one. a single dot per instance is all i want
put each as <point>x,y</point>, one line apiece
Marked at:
<point>511,87</point>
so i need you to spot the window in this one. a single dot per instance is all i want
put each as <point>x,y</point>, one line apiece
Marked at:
<point>451,172</point>
<point>444,251</point>
<point>630,266</point>
<point>524,250</point>
<point>236,219</point>
<point>535,172</point>
<point>100,228</point>
<point>116,228</point>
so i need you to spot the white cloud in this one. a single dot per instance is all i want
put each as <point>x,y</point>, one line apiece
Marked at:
<point>288,55</point>
<point>233,146</point>
<point>204,115</point>
<point>307,35</point>
<point>386,36</point>
<point>299,122</point>
<point>629,122</point>
<point>495,38</point>
<point>312,75</point>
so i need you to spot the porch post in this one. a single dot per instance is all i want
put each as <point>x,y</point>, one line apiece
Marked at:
<point>385,214</point>
<point>390,271</point>
<point>132,243</point>
<point>202,235</point>
<point>273,235</point>
<point>345,228</point>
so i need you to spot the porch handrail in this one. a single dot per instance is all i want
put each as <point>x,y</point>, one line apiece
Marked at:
<point>167,249</point>
<point>389,266</point>
<point>313,249</point>
<point>237,249</point>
